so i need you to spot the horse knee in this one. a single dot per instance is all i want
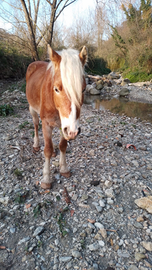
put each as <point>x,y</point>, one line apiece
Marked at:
<point>63,145</point>
<point>48,151</point>
<point>34,115</point>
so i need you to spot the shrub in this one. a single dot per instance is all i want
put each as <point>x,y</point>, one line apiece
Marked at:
<point>5,110</point>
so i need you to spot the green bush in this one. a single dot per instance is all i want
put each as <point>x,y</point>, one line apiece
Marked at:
<point>137,76</point>
<point>97,66</point>
<point>5,110</point>
<point>12,64</point>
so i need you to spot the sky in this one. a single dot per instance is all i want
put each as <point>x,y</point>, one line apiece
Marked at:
<point>78,8</point>
<point>69,14</point>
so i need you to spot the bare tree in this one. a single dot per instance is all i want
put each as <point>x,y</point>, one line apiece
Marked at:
<point>25,16</point>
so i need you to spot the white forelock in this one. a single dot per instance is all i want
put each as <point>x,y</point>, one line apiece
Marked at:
<point>72,75</point>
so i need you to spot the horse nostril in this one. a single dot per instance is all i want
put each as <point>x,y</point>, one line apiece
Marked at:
<point>79,131</point>
<point>65,130</point>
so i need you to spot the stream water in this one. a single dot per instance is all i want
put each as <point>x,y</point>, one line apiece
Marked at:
<point>122,106</point>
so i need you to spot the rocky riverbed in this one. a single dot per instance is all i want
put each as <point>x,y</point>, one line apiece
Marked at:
<point>91,220</point>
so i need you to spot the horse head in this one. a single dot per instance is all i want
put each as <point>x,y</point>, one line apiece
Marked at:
<point>68,86</point>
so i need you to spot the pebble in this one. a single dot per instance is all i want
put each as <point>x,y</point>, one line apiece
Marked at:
<point>76,254</point>
<point>94,247</point>
<point>12,230</point>
<point>98,225</point>
<point>26,239</point>
<point>147,245</point>
<point>38,231</point>
<point>102,226</point>
<point>65,259</point>
<point>139,256</point>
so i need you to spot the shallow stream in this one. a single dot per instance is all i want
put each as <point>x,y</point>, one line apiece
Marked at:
<point>122,106</point>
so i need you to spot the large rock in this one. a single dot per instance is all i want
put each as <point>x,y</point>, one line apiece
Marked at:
<point>94,91</point>
<point>124,92</point>
<point>145,203</point>
<point>113,75</point>
<point>125,81</point>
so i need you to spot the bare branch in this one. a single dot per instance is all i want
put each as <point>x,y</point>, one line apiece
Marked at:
<point>65,5</point>
<point>11,5</point>
<point>49,2</point>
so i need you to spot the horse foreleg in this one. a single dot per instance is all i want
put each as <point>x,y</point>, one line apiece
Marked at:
<point>36,123</point>
<point>48,150</point>
<point>63,166</point>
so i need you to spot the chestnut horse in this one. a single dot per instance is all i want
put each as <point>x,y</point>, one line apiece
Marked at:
<point>55,91</point>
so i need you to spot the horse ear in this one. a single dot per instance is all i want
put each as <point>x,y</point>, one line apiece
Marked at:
<point>54,56</point>
<point>83,55</point>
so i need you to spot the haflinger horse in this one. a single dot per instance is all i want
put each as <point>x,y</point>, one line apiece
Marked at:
<point>54,91</point>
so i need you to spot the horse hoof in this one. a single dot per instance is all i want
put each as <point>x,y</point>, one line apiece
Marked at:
<point>46,185</point>
<point>36,149</point>
<point>66,174</point>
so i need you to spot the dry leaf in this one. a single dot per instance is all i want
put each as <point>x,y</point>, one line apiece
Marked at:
<point>72,212</point>
<point>2,247</point>
<point>66,196</point>
<point>27,205</point>
<point>131,145</point>
<point>111,242</point>
<point>91,220</point>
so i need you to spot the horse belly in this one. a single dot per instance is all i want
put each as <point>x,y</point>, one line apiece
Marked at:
<point>34,79</point>
<point>33,96</point>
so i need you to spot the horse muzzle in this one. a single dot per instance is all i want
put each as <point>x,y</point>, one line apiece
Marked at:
<point>71,135</point>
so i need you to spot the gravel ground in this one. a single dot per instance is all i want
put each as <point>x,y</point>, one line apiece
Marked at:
<point>89,221</point>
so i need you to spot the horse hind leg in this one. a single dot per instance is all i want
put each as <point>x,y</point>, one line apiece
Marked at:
<point>36,123</point>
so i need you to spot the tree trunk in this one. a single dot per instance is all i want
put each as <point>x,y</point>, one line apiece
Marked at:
<point>52,20</point>
<point>31,32</point>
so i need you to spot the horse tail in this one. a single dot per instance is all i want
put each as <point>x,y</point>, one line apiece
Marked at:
<point>30,70</point>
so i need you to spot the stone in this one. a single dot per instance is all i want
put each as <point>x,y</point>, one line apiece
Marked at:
<point>133,267</point>
<point>99,86</point>
<point>139,256</point>
<point>123,253</point>
<point>38,231</point>
<point>124,92</point>
<point>145,203</point>
<point>102,203</point>
<point>98,225</point>
<point>109,193</point>
<point>147,245</point>
<point>94,247</point>
<point>65,259</point>
<point>23,240</point>
<point>4,200</point>
<point>76,254</point>
<point>101,243</point>
<point>12,230</point>
<point>94,91</point>
<point>103,232</point>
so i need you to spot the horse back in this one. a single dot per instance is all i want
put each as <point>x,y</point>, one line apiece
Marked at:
<point>34,79</point>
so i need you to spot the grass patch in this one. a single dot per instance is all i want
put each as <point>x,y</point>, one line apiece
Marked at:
<point>61,221</point>
<point>137,76</point>
<point>23,87</point>
<point>18,173</point>
<point>21,126</point>
<point>6,110</point>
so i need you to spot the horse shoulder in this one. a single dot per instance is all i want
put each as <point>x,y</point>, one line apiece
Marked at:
<point>35,66</point>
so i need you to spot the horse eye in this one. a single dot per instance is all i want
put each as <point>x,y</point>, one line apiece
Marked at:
<point>56,90</point>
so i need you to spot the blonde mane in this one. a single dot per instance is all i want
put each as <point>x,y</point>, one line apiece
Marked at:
<point>72,75</point>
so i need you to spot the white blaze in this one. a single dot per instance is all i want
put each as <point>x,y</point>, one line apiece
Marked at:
<point>71,123</point>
